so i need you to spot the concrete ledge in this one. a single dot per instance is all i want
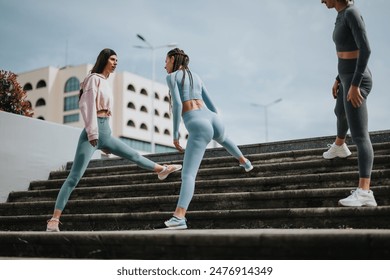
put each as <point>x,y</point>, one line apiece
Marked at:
<point>30,149</point>
<point>274,244</point>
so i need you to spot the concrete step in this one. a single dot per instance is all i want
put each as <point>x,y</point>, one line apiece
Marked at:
<point>317,217</point>
<point>260,170</point>
<point>249,184</point>
<point>212,244</point>
<point>237,200</point>
<point>291,165</point>
<point>109,166</point>
<point>288,146</point>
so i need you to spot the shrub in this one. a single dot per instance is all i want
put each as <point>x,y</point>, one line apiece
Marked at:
<point>12,95</point>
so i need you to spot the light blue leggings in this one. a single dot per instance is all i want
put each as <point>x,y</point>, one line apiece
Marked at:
<point>202,126</point>
<point>84,153</point>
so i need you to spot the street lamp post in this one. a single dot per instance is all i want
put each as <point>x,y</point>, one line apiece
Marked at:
<point>266,114</point>
<point>152,95</point>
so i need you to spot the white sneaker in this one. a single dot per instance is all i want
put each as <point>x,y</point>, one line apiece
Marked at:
<point>52,225</point>
<point>337,151</point>
<point>168,169</point>
<point>359,197</point>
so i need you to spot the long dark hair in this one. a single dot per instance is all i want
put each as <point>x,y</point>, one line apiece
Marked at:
<point>102,60</point>
<point>100,64</point>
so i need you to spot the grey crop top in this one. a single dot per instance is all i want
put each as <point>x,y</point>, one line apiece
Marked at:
<point>350,35</point>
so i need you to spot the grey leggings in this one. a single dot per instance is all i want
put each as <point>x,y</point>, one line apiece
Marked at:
<point>84,153</point>
<point>203,125</point>
<point>355,119</point>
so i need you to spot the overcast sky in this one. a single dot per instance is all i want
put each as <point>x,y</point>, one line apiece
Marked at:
<point>247,51</point>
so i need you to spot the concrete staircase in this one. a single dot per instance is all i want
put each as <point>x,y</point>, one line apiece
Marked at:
<point>286,208</point>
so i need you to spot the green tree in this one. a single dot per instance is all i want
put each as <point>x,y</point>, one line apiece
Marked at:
<point>12,95</point>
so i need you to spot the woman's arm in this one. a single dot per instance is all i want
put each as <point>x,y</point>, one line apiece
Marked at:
<point>176,104</point>
<point>357,26</point>
<point>87,106</point>
<point>207,100</point>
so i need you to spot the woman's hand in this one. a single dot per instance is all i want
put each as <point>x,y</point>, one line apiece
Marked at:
<point>355,97</point>
<point>177,146</point>
<point>94,142</point>
<point>335,89</point>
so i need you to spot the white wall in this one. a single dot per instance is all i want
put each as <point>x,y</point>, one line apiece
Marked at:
<point>30,149</point>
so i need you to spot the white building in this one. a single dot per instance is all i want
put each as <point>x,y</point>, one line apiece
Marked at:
<point>54,95</point>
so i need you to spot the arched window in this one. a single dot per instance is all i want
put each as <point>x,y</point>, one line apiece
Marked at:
<point>72,84</point>
<point>166,115</point>
<point>156,129</point>
<point>166,132</point>
<point>40,102</point>
<point>156,113</point>
<point>131,105</point>
<point>156,96</point>
<point>144,92</point>
<point>131,87</point>
<point>131,123</point>
<point>41,84</point>
<point>41,118</point>
<point>186,137</point>
<point>27,87</point>
<point>144,126</point>
<point>143,109</point>
<point>29,103</point>
<point>166,99</point>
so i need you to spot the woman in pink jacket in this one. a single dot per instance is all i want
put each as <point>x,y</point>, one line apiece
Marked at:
<point>95,105</point>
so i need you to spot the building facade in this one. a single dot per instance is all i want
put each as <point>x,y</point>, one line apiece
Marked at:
<point>141,113</point>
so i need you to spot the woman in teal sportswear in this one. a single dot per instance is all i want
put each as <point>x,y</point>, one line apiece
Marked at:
<point>191,101</point>
<point>95,107</point>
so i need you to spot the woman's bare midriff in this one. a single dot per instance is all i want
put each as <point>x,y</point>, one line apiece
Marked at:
<point>193,104</point>
<point>348,55</point>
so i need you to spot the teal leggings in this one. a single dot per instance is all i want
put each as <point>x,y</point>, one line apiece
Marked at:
<point>84,153</point>
<point>202,126</point>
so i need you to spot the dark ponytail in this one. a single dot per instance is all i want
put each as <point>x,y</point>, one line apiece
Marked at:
<point>181,61</point>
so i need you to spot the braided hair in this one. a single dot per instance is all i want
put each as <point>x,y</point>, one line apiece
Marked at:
<point>181,61</point>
